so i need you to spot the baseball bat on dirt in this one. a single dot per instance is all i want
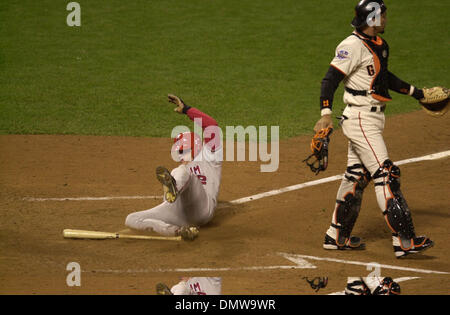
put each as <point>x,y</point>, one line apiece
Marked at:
<point>96,235</point>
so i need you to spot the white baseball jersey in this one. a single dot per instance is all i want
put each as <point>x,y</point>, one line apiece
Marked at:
<point>207,166</point>
<point>198,286</point>
<point>360,65</point>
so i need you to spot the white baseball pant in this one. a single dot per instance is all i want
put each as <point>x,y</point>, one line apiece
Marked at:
<point>191,208</point>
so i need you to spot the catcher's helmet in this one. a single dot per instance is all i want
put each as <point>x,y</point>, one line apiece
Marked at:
<point>187,142</point>
<point>363,9</point>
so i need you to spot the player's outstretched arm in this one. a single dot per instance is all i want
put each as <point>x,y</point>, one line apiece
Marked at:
<point>192,112</point>
<point>402,87</point>
<point>435,101</point>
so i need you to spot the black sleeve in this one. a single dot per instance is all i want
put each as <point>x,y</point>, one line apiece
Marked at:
<point>330,84</point>
<point>399,86</point>
<point>186,107</point>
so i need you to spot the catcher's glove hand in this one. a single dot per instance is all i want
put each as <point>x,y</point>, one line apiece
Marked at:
<point>319,148</point>
<point>435,101</point>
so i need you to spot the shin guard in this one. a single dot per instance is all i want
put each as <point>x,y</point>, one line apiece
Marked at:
<point>349,201</point>
<point>397,213</point>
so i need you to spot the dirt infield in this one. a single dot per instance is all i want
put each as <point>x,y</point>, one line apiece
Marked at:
<point>240,240</point>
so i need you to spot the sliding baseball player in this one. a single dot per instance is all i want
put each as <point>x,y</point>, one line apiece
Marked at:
<point>361,62</point>
<point>191,189</point>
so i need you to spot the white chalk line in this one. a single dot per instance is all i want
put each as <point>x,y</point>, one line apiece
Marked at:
<point>254,268</point>
<point>300,262</point>
<point>92,198</point>
<point>349,262</point>
<point>433,156</point>
<point>398,280</point>
<point>274,192</point>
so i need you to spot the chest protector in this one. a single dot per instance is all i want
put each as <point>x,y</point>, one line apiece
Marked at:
<point>379,49</point>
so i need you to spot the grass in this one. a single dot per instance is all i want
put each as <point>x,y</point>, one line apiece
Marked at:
<point>257,62</point>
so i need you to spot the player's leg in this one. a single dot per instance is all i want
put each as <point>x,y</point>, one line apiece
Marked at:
<point>181,217</point>
<point>165,219</point>
<point>197,205</point>
<point>181,288</point>
<point>348,204</point>
<point>370,146</point>
<point>396,211</point>
<point>169,217</point>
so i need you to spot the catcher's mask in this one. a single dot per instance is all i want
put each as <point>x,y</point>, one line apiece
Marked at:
<point>187,146</point>
<point>362,11</point>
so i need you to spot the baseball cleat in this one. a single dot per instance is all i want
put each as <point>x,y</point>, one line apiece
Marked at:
<point>352,243</point>
<point>416,245</point>
<point>168,182</point>
<point>387,287</point>
<point>188,233</point>
<point>162,289</point>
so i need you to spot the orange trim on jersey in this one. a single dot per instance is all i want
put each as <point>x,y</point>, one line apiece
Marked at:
<point>338,69</point>
<point>378,41</point>
<point>376,61</point>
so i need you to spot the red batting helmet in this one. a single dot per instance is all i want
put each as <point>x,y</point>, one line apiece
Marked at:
<point>187,141</point>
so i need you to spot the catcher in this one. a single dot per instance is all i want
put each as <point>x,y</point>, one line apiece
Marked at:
<point>361,62</point>
<point>191,189</point>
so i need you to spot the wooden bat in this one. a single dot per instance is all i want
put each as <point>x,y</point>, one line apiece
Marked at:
<point>96,235</point>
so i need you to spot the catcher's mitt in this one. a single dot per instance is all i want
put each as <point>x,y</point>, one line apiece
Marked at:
<point>435,101</point>
<point>319,148</point>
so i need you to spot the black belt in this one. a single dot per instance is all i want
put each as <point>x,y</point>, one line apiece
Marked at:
<point>358,92</point>
<point>373,108</point>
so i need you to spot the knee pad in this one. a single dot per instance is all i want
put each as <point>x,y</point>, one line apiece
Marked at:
<point>391,174</point>
<point>347,210</point>
<point>397,213</point>
<point>359,175</point>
